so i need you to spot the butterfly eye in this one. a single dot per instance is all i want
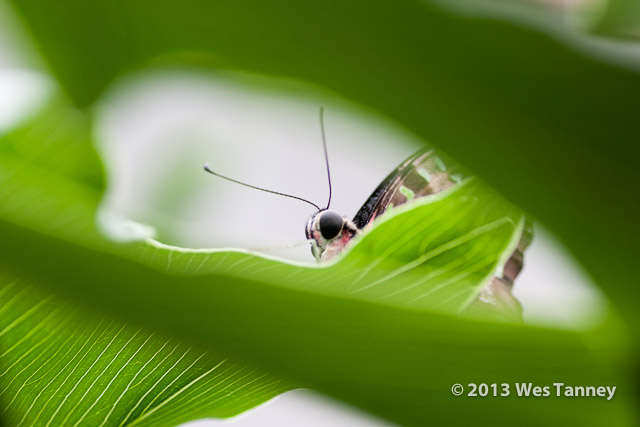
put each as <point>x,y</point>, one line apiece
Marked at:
<point>330,224</point>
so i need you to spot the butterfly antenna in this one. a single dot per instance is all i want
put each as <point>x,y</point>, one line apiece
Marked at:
<point>326,156</point>
<point>208,169</point>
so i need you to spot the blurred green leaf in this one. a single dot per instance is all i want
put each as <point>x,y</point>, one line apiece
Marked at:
<point>399,363</point>
<point>378,345</point>
<point>617,18</point>
<point>62,365</point>
<point>545,114</point>
<point>57,140</point>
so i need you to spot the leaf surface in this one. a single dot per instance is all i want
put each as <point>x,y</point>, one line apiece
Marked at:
<point>61,364</point>
<point>543,112</point>
<point>382,341</point>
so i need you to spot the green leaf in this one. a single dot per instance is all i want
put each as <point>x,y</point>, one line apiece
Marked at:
<point>386,359</point>
<point>62,365</point>
<point>57,140</point>
<point>617,18</point>
<point>545,114</point>
<point>405,260</point>
<point>387,353</point>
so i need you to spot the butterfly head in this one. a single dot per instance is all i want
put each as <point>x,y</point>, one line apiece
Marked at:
<point>329,232</point>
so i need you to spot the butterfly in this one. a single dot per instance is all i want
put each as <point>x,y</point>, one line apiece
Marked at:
<point>421,175</point>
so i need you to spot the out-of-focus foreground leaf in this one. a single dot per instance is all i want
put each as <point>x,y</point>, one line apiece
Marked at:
<point>383,343</point>
<point>618,18</point>
<point>546,114</point>
<point>63,365</point>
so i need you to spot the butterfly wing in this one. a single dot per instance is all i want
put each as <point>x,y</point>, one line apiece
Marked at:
<point>422,174</point>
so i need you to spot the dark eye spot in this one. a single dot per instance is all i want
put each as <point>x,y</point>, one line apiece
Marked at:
<point>330,224</point>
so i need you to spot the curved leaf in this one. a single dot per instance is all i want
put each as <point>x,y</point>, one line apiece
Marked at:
<point>435,253</point>
<point>542,112</point>
<point>365,347</point>
<point>63,366</point>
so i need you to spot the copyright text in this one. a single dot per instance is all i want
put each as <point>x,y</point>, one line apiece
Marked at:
<point>532,390</point>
